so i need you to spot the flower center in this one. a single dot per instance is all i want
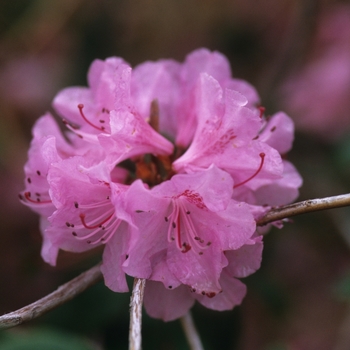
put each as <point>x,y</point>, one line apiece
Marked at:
<point>182,229</point>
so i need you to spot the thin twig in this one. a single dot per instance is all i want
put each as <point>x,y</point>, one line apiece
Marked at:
<point>303,207</point>
<point>63,294</point>
<point>191,333</point>
<point>136,314</point>
<point>76,286</point>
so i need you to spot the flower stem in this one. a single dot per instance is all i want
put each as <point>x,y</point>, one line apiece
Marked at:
<point>191,333</point>
<point>60,296</point>
<point>303,207</point>
<point>136,314</point>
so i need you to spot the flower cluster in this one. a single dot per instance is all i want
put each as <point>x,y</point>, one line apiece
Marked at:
<point>168,166</point>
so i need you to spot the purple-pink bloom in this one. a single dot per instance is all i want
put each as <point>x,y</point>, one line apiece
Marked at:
<point>47,147</point>
<point>188,221</point>
<point>104,113</point>
<point>86,217</point>
<point>168,166</point>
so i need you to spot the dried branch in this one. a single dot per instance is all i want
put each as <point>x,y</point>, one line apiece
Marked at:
<point>191,333</point>
<point>136,314</point>
<point>63,294</point>
<point>303,207</point>
<point>76,286</point>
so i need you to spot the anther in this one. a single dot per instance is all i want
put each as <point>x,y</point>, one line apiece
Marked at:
<point>185,248</point>
<point>76,204</point>
<point>262,156</point>
<point>38,172</point>
<point>210,295</point>
<point>262,111</point>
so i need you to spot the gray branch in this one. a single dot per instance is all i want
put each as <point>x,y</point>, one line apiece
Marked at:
<point>63,294</point>
<point>76,286</point>
<point>136,314</point>
<point>303,207</point>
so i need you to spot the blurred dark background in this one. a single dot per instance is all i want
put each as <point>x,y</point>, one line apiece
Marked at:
<point>296,53</point>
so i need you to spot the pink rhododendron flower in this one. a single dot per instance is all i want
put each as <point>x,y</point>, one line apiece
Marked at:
<point>105,113</point>
<point>85,215</point>
<point>168,166</point>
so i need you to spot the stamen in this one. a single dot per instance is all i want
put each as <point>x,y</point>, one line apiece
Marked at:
<point>99,225</point>
<point>181,230</point>
<point>27,196</point>
<point>178,232</point>
<point>262,111</point>
<point>111,228</point>
<point>81,106</point>
<point>154,115</point>
<point>262,156</point>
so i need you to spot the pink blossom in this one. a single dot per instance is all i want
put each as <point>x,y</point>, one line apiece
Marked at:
<point>104,113</point>
<point>179,213</point>
<point>48,146</point>
<point>173,85</point>
<point>235,138</point>
<point>86,217</point>
<point>184,226</point>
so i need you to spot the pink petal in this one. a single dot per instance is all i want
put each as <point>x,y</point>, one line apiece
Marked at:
<point>114,256</point>
<point>158,81</point>
<point>245,260</point>
<point>279,132</point>
<point>167,304</point>
<point>131,136</point>
<point>233,292</point>
<point>213,186</point>
<point>281,191</point>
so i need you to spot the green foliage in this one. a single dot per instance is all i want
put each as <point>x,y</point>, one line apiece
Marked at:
<point>42,339</point>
